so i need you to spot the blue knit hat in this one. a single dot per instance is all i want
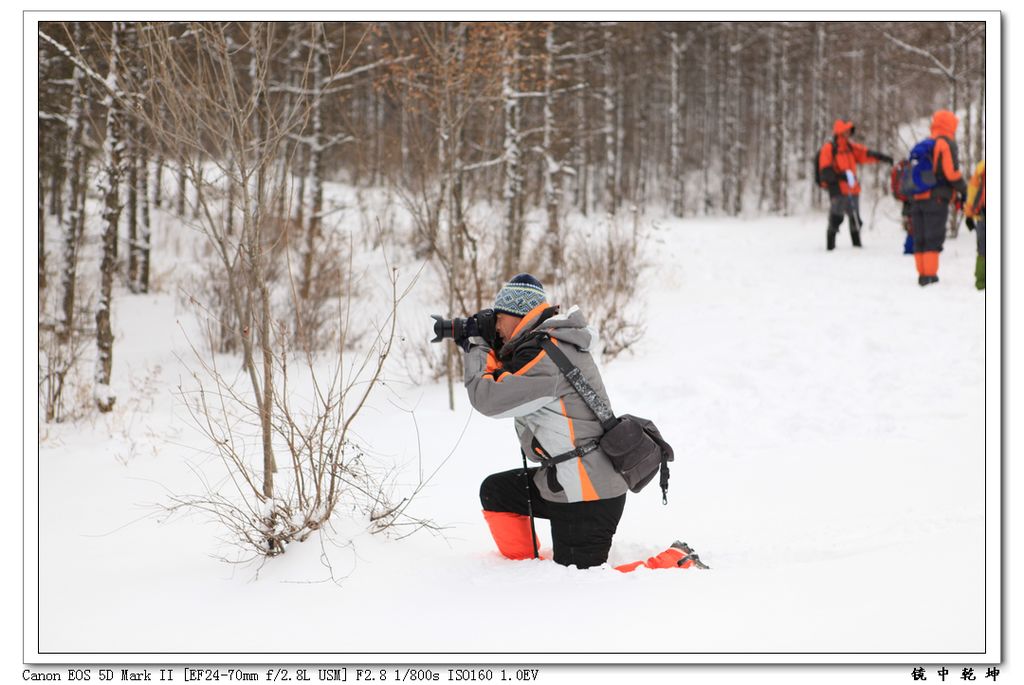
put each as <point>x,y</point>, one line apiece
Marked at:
<point>520,295</point>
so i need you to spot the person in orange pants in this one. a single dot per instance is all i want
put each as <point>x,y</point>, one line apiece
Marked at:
<point>581,532</point>
<point>929,210</point>
<point>508,374</point>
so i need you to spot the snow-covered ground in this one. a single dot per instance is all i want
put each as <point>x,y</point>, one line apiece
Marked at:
<point>828,416</point>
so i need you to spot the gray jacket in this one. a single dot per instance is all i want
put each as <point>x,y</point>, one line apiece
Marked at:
<point>550,416</point>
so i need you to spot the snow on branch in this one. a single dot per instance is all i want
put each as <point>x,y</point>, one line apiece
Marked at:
<point>82,65</point>
<point>946,71</point>
<point>482,165</point>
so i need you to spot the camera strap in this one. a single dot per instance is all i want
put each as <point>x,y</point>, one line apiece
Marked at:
<point>580,384</point>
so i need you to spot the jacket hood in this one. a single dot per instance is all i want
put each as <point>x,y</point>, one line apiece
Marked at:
<point>570,327</point>
<point>842,128</point>
<point>944,123</point>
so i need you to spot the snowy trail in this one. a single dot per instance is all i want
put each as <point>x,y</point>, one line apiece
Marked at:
<point>828,418</point>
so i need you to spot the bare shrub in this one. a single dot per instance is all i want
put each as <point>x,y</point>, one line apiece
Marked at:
<point>59,362</point>
<point>601,269</point>
<point>236,125</point>
<point>324,466</point>
<point>64,388</point>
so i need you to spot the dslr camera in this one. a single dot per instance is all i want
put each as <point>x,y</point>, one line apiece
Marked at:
<point>483,324</point>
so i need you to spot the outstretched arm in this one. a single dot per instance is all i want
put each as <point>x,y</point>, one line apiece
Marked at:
<point>501,395</point>
<point>880,157</point>
<point>865,156</point>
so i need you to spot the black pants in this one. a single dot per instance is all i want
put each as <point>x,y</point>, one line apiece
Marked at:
<point>840,205</point>
<point>928,217</point>
<point>581,532</point>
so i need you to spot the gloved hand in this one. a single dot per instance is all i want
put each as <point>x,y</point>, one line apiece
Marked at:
<point>970,223</point>
<point>469,341</point>
<point>481,329</point>
<point>485,324</point>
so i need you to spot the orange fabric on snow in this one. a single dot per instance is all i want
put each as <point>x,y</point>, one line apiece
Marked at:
<point>667,559</point>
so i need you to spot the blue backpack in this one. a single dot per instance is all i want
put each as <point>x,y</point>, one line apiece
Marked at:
<point>918,175</point>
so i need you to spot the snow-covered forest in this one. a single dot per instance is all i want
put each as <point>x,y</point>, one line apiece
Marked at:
<point>243,228</point>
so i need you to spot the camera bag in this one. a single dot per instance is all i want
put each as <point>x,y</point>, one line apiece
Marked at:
<point>633,444</point>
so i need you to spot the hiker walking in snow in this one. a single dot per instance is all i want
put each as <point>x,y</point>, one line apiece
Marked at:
<point>837,172</point>
<point>929,209</point>
<point>508,374</point>
<point>974,209</point>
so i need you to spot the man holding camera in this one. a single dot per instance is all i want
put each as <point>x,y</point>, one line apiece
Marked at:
<point>509,374</point>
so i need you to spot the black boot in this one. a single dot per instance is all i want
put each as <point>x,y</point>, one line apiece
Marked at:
<point>855,224</point>
<point>833,228</point>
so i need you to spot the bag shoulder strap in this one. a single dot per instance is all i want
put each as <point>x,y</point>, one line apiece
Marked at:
<point>597,405</point>
<point>580,384</point>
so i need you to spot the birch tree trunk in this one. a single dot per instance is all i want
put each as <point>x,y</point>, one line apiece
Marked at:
<point>734,162</point>
<point>132,186</point>
<point>512,155</point>
<point>608,98</point>
<point>779,143</point>
<point>706,126</point>
<point>158,178</point>
<point>109,189</point>
<point>182,189</point>
<point>258,72</point>
<point>145,230</point>
<point>71,226</point>
<point>551,168</point>
<point>818,130</point>
<point>581,157</point>
<point>316,160</point>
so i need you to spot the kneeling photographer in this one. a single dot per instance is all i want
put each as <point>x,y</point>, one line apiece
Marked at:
<point>526,360</point>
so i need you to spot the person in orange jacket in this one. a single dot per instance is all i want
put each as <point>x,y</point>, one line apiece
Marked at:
<point>837,171</point>
<point>930,210</point>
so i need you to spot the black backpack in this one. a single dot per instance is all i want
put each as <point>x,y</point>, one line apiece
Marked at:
<point>818,180</point>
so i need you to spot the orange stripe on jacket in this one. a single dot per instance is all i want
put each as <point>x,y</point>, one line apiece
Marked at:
<point>572,431</point>
<point>530,316</point>
<point>589,493</point>
<point>942,157</point>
